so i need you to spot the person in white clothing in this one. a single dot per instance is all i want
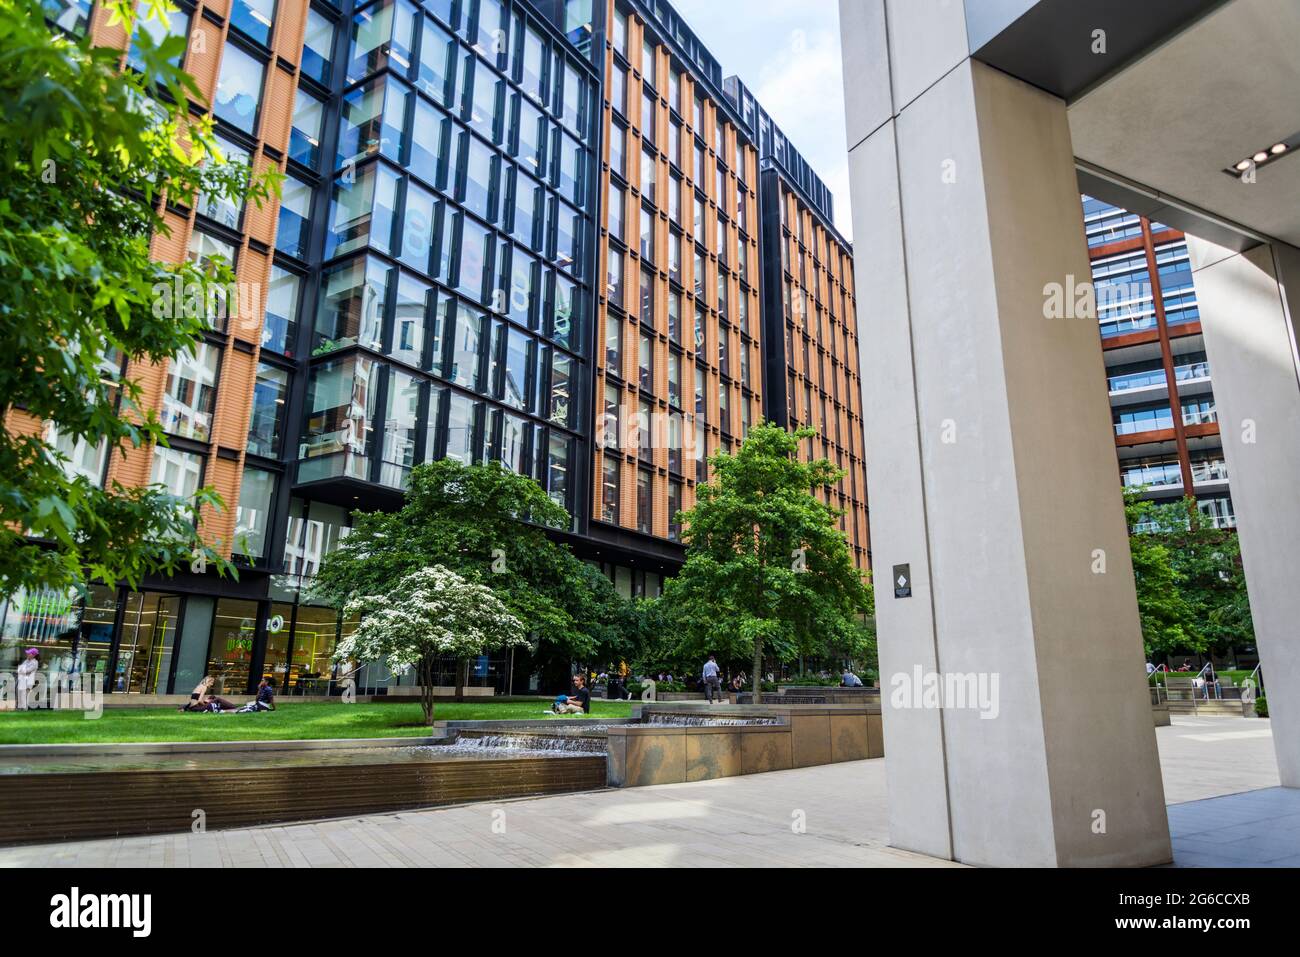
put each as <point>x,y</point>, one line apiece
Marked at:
<point>27,677</point>
<point>712,676</point>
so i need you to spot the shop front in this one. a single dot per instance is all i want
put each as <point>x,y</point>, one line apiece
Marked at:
<point>151,642</point>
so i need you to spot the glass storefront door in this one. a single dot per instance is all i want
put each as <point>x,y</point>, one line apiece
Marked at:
<point>148,640</point>
<point>230,653</point>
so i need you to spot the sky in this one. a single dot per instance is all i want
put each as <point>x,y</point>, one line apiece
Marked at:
<point>788,53</point>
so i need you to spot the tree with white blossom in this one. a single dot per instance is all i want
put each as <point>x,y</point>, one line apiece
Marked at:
<point>432,613</point>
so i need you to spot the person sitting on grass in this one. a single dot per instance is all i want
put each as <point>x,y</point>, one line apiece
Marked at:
<point>265,700</point>
<point>202,698</point>
<point>577,703</point>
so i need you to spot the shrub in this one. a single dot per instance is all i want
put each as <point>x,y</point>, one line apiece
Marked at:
<point>1261,707</point>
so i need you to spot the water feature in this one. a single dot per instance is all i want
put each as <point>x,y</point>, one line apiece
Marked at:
<point>578,737</point>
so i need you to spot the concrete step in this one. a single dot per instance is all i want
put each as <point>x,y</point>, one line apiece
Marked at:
<point>1234,708</point>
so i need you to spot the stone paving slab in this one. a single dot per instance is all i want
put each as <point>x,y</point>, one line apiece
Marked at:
<point>828,816</point>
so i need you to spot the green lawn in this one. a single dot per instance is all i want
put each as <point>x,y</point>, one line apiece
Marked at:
<point>288,721</point>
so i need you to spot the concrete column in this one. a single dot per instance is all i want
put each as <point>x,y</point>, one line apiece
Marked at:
<point>991,464</point>
<point>1250,304</point>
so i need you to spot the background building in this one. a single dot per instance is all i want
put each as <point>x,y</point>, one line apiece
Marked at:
<point>508,230</point>
<point>1158,376</point>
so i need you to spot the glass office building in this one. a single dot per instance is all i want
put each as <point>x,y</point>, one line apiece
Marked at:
<point>528,231</point>
<point>1166,421</point>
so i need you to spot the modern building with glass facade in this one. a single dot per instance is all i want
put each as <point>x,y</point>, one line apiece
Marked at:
<point>508,230</point>
<point>1158,377</point>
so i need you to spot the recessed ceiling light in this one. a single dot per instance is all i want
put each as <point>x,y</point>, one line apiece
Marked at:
<point>1245,168</point>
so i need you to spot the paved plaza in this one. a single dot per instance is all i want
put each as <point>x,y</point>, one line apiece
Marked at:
<point>833,815</point>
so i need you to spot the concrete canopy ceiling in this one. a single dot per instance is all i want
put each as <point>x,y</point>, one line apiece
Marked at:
<point>1211,95</point>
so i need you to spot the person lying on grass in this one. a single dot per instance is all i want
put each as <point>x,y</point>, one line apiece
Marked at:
<point>205,701</point>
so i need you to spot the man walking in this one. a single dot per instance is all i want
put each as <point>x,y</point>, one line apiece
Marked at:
<point>712,681</point>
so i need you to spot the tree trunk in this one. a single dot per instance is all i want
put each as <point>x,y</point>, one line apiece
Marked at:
<point>757,676</point>
<point>462,666</point>
<point>426,687</point>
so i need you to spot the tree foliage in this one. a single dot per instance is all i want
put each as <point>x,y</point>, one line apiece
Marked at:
<point>768,571</point>
<point>429,613</point>
<point>1190,584</point>
<point>88,154</point>
<point>488,525</point>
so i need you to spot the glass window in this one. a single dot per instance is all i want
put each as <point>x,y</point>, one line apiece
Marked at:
<point>568,226</point>
<point>618,89</point>
<point>534,57</point>
<point>675,317</point>
<point>609,489</point>
<point>474,252</point>
<point>523,272</point>
<point>401,429</point>
<point>648,175</point>
<point>373,120</point>
<point>317,47</point>
<point>216,206</point>
<point>467,348</point>
<point>481,108</point>
<point>614,345</point>
<point>557,469</point>
<point>266,421</point>
<point>618,150</point>
<point>180,472</point>
<point>614,277</point>
<point>304,138</point>
<point>566,312</point>
<point>480,180</point>
<point>253,515</point>
<point>570,168</point>
<point>616,201</point>
<point>644,501</point>
<point>561,393</point>
<point>409,319</point>
<point>362,212</point>
<point>174,23</point>
<point>648,117</point>
<point>230,653</point>
<point>528,193</point>
<point>519,360</point>
<point>645,363</point>
<point>531,135</point>
<point>239,89</point>
<point>427,142</point>
<point>648,60</point>
<point>461,413</point>
<point>674,506</point>
<point>674,379</point>
<point>490,38</point>
<point>253,18</point>
<point>417,227</point>
<point>382,36</point>
<point>293,232</point>
<point>191,391</point>
<point>618,35</point>
<point>341,398</point>
<point>647,297</point>
<point>351,309</point>
<point>647,234</point>
<point>437,63</point>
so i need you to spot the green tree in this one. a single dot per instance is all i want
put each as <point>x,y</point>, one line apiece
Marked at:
<point>1190,584</point>
<point>767,570</point>
<point>430,613</point>
<point>488,525</point>
<point>87,156</point>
